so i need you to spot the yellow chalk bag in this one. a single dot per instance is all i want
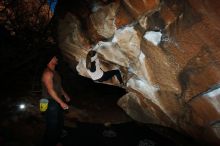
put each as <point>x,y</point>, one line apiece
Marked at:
<point>43,104</point>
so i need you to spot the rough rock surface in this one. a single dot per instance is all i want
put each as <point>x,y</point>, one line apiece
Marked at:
<point>174,82</point>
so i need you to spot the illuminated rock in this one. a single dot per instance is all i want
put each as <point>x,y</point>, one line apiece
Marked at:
<point>167,78</point>
<point>103,20</point>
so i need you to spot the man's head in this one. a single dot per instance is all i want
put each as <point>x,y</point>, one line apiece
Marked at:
<point>90,54</point>
<point>52,56</point>
<point>53,61</point>
<point>49,53</point>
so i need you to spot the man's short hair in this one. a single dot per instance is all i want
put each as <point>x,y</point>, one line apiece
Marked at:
<point>50,53</point>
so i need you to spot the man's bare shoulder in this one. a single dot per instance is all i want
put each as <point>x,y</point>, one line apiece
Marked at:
<point>47,74</point>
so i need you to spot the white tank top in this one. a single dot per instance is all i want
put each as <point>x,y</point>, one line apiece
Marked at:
<point>98,73</point>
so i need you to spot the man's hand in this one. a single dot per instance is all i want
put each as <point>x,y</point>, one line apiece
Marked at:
<point>64,105</point>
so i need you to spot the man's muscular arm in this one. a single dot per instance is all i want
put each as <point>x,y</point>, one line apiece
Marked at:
<point>48,82</point>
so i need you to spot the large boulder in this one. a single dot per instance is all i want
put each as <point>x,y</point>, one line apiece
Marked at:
<point>167,52</point>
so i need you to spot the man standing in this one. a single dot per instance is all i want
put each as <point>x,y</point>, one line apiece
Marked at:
<point>53,91</point>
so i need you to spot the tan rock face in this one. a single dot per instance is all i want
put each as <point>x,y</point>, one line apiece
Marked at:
<point>103,20</point>
<point>204,114</point>
<point>167,52</point>
<point>143,110</point>
<point>141,7</point>
<point>72,40</point>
